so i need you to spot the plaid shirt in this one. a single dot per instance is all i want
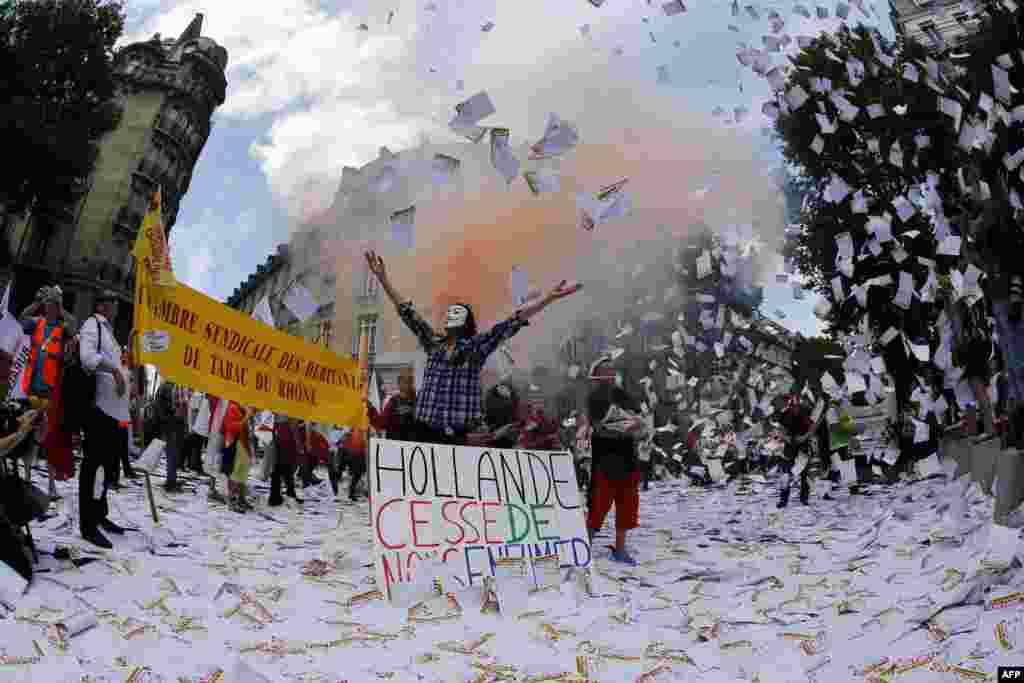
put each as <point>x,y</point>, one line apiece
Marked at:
<point>450,396</point>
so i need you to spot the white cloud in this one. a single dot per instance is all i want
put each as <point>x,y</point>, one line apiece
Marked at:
<point>338,93</point>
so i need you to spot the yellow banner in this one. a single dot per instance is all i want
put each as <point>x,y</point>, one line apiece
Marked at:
<point>151,249</point>
<point>201,343</point>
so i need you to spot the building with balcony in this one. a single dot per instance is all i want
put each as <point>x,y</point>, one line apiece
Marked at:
<point>940,24</point>
<point>168,90</point>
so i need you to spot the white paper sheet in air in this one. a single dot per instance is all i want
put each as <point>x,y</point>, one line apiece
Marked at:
<point>300,302</point>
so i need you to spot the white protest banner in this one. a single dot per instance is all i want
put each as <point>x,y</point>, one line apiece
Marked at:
<point>471,507</point>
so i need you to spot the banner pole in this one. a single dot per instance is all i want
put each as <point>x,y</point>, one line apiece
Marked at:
<point>140,370</point>
<point>152,501</point>
<point>364,377</point>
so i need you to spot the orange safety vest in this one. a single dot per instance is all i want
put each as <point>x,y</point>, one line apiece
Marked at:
<point>54,360</point>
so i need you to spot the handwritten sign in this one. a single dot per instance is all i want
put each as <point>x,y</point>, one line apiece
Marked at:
<point>471,507</point>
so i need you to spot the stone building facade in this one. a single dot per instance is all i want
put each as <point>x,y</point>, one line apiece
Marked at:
<point>168,92</point>
<point>939,24</point>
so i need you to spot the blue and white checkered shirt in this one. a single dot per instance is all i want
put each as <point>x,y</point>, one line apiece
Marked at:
<point>450,397</point>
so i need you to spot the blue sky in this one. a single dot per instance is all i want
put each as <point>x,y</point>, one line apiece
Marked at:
<point>310,92</point>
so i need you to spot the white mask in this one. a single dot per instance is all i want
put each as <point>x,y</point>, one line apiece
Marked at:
<point>457,316</point>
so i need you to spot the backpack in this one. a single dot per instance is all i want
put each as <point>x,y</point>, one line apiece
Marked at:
<point>78,387</point>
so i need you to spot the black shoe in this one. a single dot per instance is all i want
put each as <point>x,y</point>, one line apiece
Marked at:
<point>173,488</point>
<point>781,504</point>
<point>805,501</point>
<point>132,474</point>
<point>97,539</point>
<point>116,486</point>
<point>275,502</point>
<point>111,527</point>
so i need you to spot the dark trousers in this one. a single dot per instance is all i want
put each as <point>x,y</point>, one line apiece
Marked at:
<point>174,435</point>
<point>357,468</point>
<point>105,440</point>
<point>785,480</point>
<point>306,471</point>
<point>282,472</point>
<point>194,444</point>
<point>123,463</point>
<point>646,470</point>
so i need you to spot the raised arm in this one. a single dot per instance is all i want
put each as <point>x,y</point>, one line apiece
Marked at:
<point>376,264</point>
<point>425,334</point>
<point>29,314</point>
<point>487,343</point>
<point>563,290</point>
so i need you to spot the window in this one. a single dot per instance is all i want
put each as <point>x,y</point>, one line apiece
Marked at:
<point>367,326</point>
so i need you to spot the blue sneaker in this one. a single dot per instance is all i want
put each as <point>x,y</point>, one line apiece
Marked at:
<point>624,557</point>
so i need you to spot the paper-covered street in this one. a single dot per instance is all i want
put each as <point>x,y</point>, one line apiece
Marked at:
<point>892,585</point>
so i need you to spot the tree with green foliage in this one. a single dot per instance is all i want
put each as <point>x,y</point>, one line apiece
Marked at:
<point>56,97</point>
<point>912,130</point>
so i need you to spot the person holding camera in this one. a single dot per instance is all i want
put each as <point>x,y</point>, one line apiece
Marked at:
<point>105,437</point>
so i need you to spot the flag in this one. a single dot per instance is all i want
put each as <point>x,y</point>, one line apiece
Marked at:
<point>263,313</point>
<point>374,392</point>
<point>360,437</point>
<point>11,332</point>
<point>21,354</point>
<point>364,361</point>
<point>300,302</point>
<point>151,250</point>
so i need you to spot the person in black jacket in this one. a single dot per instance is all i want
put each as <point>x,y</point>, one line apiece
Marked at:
<point>616,475</point>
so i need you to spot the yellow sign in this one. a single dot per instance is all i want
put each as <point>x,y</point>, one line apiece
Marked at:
<point>151,251</point>
<point>201,343</point>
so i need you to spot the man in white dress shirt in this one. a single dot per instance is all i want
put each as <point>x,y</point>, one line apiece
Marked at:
<point>105,437</point>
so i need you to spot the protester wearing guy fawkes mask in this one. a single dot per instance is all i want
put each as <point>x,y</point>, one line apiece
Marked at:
<point>448,404</point>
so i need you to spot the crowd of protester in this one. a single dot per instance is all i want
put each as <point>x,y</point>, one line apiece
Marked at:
<point>617,447</point>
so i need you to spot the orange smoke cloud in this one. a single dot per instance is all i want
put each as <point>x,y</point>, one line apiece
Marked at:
<point>469,239</point>
<point>468,244</point>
